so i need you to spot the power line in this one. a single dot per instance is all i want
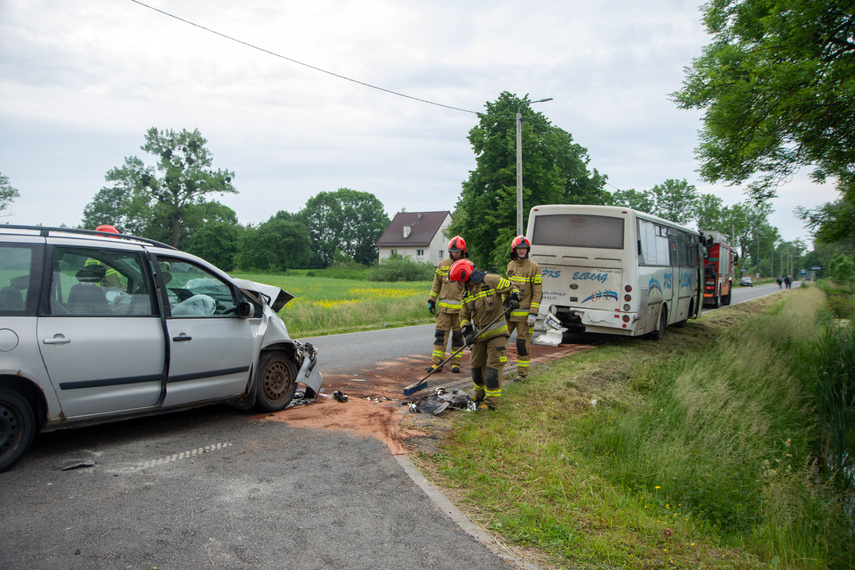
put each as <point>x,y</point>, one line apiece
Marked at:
<point>339,76</point>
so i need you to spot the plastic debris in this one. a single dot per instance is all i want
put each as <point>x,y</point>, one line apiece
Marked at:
<point>441,400</point>
<point>339,396</point>
<point>554,332</point>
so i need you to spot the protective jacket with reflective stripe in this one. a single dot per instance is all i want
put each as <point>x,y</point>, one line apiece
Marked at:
<point>482,303</point>
<point>525,274</point>
<point>444,292</point>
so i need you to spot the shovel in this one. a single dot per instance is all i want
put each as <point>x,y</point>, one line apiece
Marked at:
<point>422,384</point>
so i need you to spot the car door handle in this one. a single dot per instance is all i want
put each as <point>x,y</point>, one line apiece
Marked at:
<point>182,338</point>
<point>57,339</point>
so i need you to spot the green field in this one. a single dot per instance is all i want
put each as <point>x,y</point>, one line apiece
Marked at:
<point>323,305</point>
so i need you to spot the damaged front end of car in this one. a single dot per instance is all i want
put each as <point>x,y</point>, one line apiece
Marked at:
<point>275,339</point>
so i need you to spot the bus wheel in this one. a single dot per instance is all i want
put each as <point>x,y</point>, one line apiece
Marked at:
<point>663,322</point>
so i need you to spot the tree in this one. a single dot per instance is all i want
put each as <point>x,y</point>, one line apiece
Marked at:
<point>832,222</point>
<point>841,270</point>
<point>555,171</point>
<point>7,193</point>
<point>778,87</point>
<point>346,219</point>
<point>640,201</point>
<point>674,200</point>
<point>217,242</point>
<point>165,195</point>
<point>709,213</point>
<point>279,244</point>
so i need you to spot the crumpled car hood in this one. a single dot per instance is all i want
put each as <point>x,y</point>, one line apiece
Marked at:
<point>275,297</point>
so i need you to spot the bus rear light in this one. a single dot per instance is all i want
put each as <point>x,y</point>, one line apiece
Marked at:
<point>626,318</point>
<point>626,308</point>
<point>627,298</point>
<point>628,288</point>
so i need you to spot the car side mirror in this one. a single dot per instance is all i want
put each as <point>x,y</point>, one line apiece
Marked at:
<point>245,309</point>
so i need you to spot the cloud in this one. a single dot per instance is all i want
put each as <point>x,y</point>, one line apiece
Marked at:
<point>82,81</point>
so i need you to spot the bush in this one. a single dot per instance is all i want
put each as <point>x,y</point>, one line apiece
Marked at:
<point>399,268</point>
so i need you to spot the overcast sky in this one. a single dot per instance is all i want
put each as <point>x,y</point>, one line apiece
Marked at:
<point>81,81</point>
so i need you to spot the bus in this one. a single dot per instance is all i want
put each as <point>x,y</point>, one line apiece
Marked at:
<point>614,270</point>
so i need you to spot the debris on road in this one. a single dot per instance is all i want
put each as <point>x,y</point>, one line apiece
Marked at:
<point>339,396</point>
<point>441,400</point>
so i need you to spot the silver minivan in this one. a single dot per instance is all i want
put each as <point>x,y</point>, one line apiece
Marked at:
<point>97,327</point>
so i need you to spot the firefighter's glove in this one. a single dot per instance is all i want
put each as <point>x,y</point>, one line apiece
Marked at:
<point>468,335</point>
<point>512,302</point>
<point>530,320</point>
<point>431,306</point>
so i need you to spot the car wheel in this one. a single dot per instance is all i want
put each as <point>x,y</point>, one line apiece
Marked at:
<point>659,332</point>
<point>17,427</point>
<point>275,381</point>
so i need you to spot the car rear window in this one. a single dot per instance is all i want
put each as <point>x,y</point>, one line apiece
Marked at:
<point>16,264</point>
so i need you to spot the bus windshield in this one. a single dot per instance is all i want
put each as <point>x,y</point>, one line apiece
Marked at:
<point>578,230</point>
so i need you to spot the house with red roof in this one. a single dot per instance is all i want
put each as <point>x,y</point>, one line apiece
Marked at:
<point>419,235</point>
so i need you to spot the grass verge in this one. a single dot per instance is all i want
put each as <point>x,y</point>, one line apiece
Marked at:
<point>694,452</point>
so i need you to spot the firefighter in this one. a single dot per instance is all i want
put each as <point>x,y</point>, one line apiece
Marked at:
<point>525,274</point>
<point>484,327</point>
<point>111,276</point>
<point>444,302</point>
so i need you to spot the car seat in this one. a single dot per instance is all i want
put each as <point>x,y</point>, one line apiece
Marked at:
<point>11,297</point>
<point>87,298</point>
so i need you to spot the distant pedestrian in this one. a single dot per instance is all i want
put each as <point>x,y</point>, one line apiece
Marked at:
<point>780,280</point>
<point>788,281</point>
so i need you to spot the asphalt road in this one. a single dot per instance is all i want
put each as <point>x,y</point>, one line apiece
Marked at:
<point>215,488</point>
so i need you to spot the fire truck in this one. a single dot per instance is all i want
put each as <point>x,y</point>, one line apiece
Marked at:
<point>718,269</point>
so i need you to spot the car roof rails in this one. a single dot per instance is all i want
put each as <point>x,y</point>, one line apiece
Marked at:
<point>45,231</point>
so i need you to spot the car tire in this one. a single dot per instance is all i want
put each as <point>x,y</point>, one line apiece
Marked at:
<point>17,427</point>
<point>276,381</point>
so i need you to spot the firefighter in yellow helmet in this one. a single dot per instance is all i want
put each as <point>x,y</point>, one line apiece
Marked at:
<point>525,274</point>
<point>484,327</point>
<point>444,302</point>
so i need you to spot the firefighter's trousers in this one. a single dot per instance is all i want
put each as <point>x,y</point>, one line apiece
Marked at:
<point>524,335</point>
<point>447,326</point>
<point>487,361</point>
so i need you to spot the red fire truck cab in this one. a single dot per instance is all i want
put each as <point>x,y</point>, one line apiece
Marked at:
<point>718,269</point>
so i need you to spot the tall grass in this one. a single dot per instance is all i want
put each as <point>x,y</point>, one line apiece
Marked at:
<point>324,305</point>
<point>697,451</point>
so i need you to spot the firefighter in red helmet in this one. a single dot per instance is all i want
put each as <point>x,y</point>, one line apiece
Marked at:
<point>444,302</point>
<point>111,276</point>
<point>484,327</point>
<point>525,274</point>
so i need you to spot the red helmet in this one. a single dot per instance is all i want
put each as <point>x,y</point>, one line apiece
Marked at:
<point>520,241</point>
<point>457,244</point>
<point>107,228</point>
<point>461,270</point>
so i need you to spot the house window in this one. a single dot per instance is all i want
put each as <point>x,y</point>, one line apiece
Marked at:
<point>441,254</point>
<point>394,252</point>
<point>420,253</point>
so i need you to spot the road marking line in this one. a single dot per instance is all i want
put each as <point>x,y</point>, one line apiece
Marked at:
<point>182,455</point>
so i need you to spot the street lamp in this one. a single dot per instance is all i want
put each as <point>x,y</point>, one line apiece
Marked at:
<point>519,163</point>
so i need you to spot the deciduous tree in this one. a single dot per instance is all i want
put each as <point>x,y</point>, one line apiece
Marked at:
<point>346,219</point>
<point>777,85</point>
<point>7,193</point>
<point>168,194</point>
<point>555,171</point>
